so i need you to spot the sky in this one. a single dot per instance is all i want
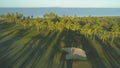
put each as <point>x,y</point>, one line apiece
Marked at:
<point>61,3</point>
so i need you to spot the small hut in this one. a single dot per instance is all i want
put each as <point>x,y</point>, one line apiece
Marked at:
<point>74,53</point>
<point>2,19</point>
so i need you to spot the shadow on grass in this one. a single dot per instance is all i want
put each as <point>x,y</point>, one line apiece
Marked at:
<point>45,51</point>
<point>6,35</point>
<point>69,41</point>
<point>92,54</point>
<point>31,53</point>
<point>5,47</point>
<point>117,43</point>
<point>6,26</point>
<point>112,57</point>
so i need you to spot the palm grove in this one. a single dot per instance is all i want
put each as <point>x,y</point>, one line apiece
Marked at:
<point>104,28</point>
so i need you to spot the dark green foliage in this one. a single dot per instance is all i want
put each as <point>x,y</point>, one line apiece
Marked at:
<point>27,42</point>
<point>105,28</point>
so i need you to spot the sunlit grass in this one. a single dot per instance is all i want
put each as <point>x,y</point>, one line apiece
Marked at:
<point>24,48</point>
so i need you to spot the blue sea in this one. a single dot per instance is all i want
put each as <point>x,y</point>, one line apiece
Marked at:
<point>39,12</point>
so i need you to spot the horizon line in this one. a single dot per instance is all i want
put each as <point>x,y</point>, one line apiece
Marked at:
<point>59,7</point>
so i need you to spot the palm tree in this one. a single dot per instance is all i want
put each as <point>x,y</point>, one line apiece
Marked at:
<point>68,25</point>
<point>23,24</point>
<point>18,17</point>
<point>50,26</point>
<point>51,16</point>
<point>59,26</point>
<point>75,26</point>
<point>115,32</point>
<point>97,30</point>
<point>10,17</point>
<point>104,36</point>
<point>86,30</point>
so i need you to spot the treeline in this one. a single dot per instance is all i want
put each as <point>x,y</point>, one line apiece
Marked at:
<point>105,28</point>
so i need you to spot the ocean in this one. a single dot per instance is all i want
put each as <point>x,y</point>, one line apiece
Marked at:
<point>39,12</point>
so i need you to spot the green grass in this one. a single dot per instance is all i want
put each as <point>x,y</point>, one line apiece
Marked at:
<point>21,48</point>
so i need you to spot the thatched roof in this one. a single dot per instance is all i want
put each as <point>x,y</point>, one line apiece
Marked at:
<point>74,53</point>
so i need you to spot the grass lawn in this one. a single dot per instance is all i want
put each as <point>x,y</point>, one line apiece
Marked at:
<point>21,48</point>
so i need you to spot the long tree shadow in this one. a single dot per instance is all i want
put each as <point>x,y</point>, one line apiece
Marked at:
<point>92,54</point>
<point>69,40</point>
<point>5,47</point>
<point>6,26</point>
<point>117,43</point>
<point>5,35</point>
<point>53,48</point>
<point>111,55</point>
<point>45,51</point>
<point>32,52</point>
<point>40,49</point>
<point>57,50</point>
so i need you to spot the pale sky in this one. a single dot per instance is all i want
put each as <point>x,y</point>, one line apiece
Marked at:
<point>60,3</point>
